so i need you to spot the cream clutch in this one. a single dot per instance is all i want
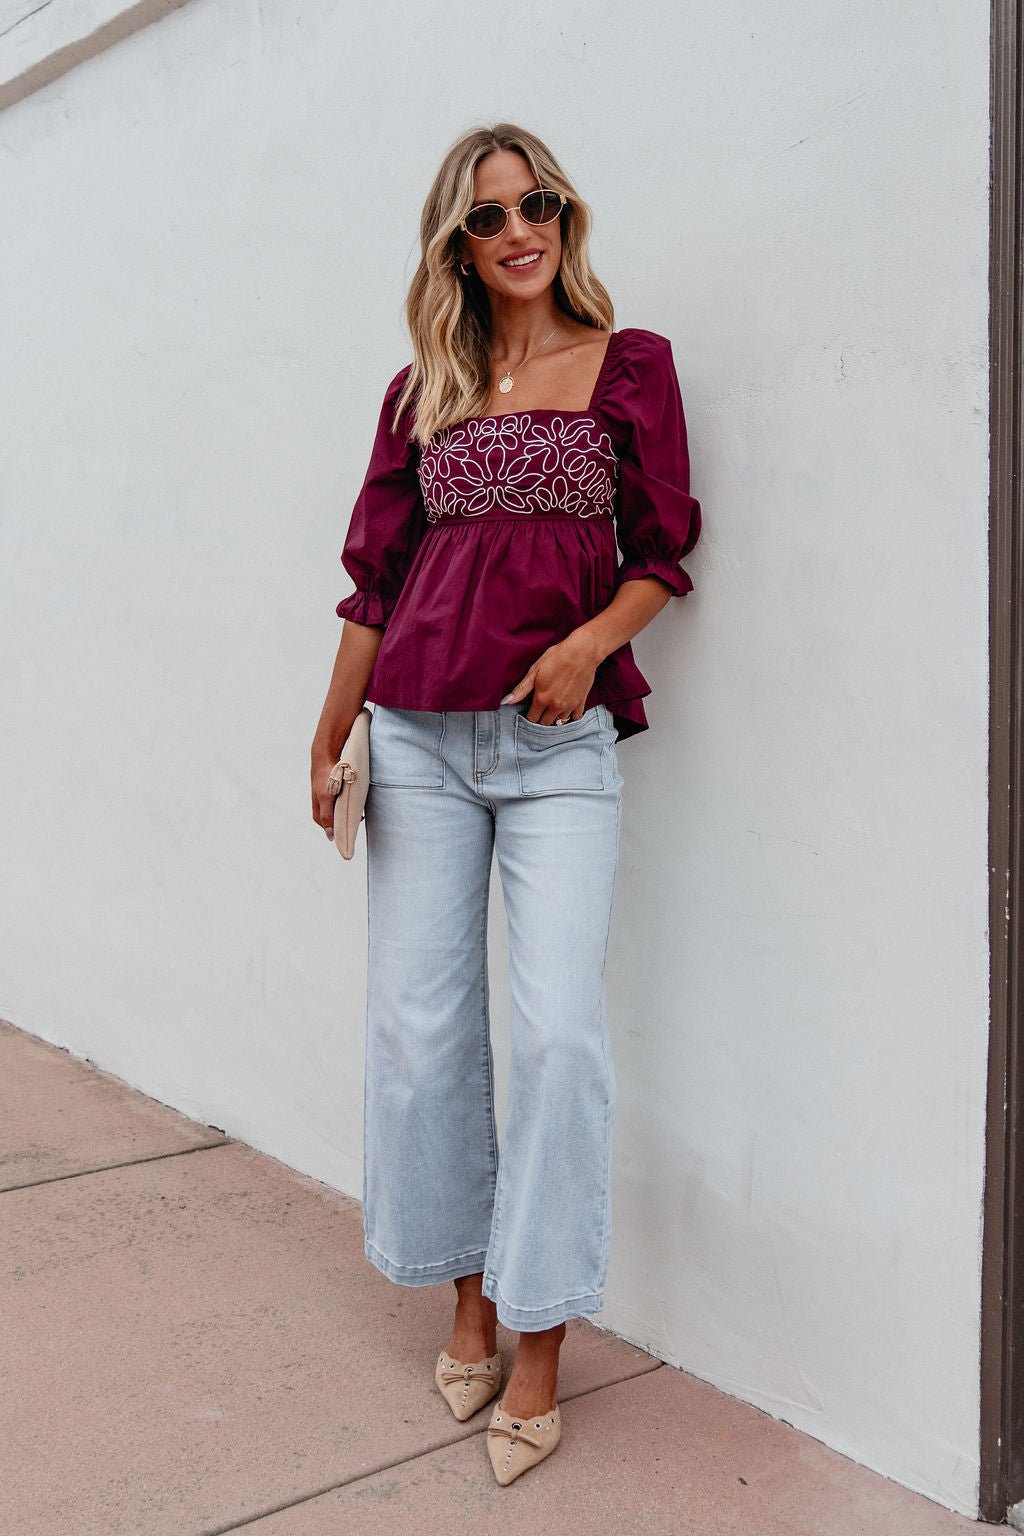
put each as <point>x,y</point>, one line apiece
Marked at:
<point>349,781</point>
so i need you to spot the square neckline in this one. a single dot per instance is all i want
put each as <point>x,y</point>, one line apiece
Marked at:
<point>556,410</point>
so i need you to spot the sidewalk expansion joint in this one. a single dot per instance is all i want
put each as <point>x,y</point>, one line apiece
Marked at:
<point>130,1162</point>
<point>387,1466</point>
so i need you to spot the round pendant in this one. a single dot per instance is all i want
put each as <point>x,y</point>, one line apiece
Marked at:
<point>506,383</point>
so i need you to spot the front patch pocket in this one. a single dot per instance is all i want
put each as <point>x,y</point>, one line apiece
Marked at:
<point>561,757</point>
<point>405,748</point>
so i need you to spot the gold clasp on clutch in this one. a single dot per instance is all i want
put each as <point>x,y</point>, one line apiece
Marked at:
<point>341,773</point>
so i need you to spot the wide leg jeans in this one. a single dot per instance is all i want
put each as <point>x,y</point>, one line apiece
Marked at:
<point>440,1198</point>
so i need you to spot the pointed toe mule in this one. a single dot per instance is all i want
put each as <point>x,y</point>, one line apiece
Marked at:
<point>467,1387</point>
<point>516,1445</point>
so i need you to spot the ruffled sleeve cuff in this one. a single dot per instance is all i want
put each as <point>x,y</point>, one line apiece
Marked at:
<point>674,577</point>
<point>367,607</point>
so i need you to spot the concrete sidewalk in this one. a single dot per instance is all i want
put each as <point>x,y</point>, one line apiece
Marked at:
<point>194,1343</point>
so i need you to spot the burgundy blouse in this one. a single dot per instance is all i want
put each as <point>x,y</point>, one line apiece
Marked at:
<point>499,537</point>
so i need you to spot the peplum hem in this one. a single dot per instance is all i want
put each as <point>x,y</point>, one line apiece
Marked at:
<point>629,715</point>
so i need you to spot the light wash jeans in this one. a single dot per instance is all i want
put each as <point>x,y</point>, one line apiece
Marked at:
<point>446,789</point>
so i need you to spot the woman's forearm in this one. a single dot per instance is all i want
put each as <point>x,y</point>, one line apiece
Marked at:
<point>346,694</point>
<point>633,607</point>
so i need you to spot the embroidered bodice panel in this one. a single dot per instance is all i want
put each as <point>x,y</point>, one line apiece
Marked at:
<point>520,464</point>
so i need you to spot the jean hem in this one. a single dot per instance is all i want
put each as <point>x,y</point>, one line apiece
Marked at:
<point>427,1274</point>
<point>534,1319</point>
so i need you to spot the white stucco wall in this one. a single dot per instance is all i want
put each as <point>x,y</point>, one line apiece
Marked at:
<point>208,230</point>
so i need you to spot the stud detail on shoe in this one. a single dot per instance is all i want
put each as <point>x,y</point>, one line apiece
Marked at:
<point>467,1388</point>
<point>526,1444</point>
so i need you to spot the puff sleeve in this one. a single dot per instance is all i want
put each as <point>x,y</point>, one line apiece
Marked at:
<point>658,521</point>
<point>387,520</point>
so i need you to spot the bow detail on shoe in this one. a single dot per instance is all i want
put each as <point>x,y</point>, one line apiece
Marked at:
<point>515,1445</point>
<point>519,1429</point>
<point>466,1373</point>
<point>467,1387</point>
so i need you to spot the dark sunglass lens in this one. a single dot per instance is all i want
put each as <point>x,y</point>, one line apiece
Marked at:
<point>485,221</point>
<point>540,207</point>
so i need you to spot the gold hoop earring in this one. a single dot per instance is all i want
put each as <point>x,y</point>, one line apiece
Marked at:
<point>465,269</point>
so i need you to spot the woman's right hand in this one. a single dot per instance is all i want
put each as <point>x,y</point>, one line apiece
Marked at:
<point>323,800</point>
<point>346,695</point>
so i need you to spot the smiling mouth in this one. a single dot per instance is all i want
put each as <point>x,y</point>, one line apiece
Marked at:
<point>527,259</point>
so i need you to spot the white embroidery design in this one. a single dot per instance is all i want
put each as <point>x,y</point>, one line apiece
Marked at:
<point>519,464</point>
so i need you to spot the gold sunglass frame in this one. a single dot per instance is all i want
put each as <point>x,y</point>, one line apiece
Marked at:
<point>516,208</point>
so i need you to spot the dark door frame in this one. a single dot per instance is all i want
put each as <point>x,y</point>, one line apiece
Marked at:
<point>1001,1435</point>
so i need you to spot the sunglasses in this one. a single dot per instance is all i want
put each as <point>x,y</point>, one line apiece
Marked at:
<point>487,220</point>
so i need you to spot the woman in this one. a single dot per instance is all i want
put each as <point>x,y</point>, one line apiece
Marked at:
<point>490,628</point>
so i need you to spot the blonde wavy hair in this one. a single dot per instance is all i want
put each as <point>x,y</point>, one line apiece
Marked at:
<point>448,314</point>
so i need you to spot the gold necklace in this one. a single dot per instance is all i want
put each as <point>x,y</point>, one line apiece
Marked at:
<point>506,382</point>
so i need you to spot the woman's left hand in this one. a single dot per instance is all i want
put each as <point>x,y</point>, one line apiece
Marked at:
<point>561,679</point>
